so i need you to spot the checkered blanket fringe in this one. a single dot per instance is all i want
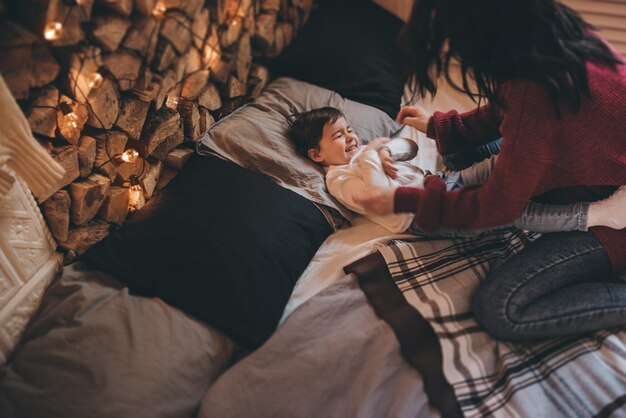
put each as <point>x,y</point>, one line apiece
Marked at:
<point>583,376</point>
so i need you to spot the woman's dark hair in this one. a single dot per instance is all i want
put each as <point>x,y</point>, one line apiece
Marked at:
<point>499,40</point>
<point>306,128</point>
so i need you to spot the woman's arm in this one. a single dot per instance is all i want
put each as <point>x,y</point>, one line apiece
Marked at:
<point>454,131</point>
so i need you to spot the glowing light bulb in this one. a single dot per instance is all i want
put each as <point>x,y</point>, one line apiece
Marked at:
<point>52,31</point>
<point>68,113</point>
<point>159,10</point>
<point>130,155</point>
<point>172,102</point>
<point>96,81</point>
<point>211,56</point>
<point>135,194</point>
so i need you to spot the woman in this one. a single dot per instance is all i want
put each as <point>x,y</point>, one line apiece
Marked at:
<point>556,94</point>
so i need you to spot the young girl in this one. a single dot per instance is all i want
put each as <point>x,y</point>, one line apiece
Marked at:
<point>556,95</point>
<point>324,136</point>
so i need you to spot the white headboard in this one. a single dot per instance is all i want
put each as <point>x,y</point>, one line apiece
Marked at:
<point>28,262</point>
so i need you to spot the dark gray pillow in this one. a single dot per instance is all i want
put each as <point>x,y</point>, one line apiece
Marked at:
<point>93,350</point>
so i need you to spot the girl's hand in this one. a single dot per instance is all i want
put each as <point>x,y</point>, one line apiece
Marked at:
<point>389,164</point>
<point>415,116</point>
<point>377,201</point>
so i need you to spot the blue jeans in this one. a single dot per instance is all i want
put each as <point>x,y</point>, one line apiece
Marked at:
<point>463,159</point>
<point>561,284</point>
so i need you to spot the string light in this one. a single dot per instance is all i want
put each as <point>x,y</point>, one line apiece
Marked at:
<point>172,102</point>
<point>135,193</point>
<point>128,156</point>
<point>159,9</point>
<point>96,81</point>
<point>52,31</point>
<point>211,55</point>
<point>69,114</point>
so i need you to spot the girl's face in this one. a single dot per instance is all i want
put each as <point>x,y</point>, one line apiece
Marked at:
<point>337,146</point>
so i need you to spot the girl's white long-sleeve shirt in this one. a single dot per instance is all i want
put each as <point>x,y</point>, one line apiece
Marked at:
<point>365,171</point>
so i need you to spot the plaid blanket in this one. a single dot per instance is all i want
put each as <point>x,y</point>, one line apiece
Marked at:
<point>581,376</point>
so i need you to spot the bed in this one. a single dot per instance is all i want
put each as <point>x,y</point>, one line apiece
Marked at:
<point>241,292</point>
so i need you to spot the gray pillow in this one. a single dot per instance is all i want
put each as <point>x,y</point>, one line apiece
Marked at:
<point>255,137</point>
<point>93,350</point>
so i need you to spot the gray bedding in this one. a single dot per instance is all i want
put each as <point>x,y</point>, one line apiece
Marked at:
<point>93,350</point>
<point>333,357</point>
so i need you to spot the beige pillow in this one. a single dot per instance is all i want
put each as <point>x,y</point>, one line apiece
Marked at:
<point>255,137</point>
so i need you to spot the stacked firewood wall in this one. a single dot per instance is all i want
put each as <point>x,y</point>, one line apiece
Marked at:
<point>118,91</point>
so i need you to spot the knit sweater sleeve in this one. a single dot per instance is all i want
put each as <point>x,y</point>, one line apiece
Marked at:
<point>21,151</point>
<point>455,131</point>
<point>523,163</point>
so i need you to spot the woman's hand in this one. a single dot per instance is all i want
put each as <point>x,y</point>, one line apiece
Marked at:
<point>377,201</point>
<point>388,163</point>
<point>415,116</point>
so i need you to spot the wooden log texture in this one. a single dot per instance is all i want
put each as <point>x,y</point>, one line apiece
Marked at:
<point>159,126</point>
<point>142,37</point>
<point>71,125</point>
<point>16,58</point>
<point>264,32</point>
<point>244,57</point>
<point>166,82</point>
<point>233,88</point>
<point>86,155</point>
<point>108,145</point>
<point>41,115</point>
<point>132,116</point>
<point>109,30</point>
<point>178,157</point>
<point>56,210</point>
<point>231,32</point>
<point>161,152</point>
<point>210,97</point>
<point>145,7</point>
<point>82,237</point>
<point>194,84</point>
<point>87,198</point>
<point>44,68</point>
<point>115,206</point>
<point>191,119</point>
<point>151,177</point>
<point>166,176</point>
<point>259,77</point>
<point>164,56</point>
<point>125,67</point>
<point>126,170</point>
<point>103,103</point>
<point>190,7</point>
<point>67,157</point>
<point>71,19</point>
<point>189,63</point>
<point>82,72</point>
<point>200,27</point>
<point>176,29</point>
<point>226,10</point>
<point>206,121</point>
<point>123,7</point>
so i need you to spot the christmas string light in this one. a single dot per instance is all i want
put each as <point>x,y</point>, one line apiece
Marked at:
<point>69,114</point>
<point>135,193</point>
<point>52,31</point>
